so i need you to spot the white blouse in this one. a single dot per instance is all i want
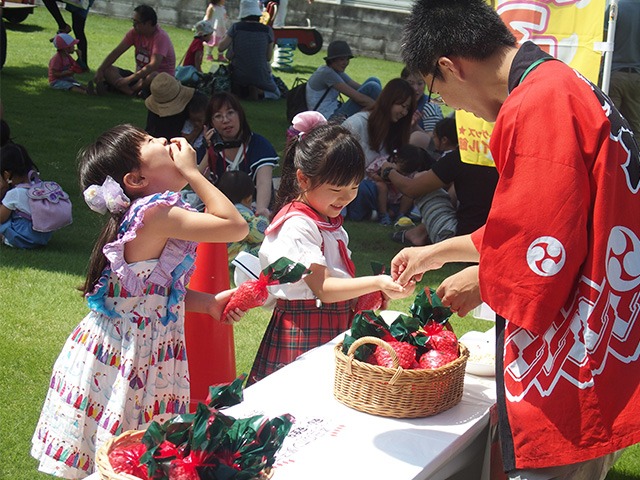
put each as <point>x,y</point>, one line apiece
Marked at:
<point>300,240</point>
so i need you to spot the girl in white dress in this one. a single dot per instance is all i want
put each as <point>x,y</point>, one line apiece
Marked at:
<point>125,364</point>
<point>216,15</point>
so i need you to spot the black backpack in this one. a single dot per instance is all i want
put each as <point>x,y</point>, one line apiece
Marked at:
<point>297,98</point>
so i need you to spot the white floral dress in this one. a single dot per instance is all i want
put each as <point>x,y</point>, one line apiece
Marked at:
<point>125,364</point>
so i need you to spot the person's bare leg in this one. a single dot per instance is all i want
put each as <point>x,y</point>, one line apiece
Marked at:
<point>418,235</point>
<point>112,75</point>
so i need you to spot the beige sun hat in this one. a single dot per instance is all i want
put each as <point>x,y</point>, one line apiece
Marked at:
<point>168,96</point>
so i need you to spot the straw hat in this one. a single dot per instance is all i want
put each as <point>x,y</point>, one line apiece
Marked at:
<point>337,49</point>
<point>168,96</point>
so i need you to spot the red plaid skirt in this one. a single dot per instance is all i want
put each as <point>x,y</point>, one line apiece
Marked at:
<point>297,326</point>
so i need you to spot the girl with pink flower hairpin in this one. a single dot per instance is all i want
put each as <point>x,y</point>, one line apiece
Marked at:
<point>125,363</point>
<point>322,168</point>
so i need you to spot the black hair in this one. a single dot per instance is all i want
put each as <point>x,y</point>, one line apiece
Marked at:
<point>236,185</point>
<point>469,29</point>
<point>411,158</point>
<point>147,14</point>
<point>329,153</point>
<point>446,127</point>
<point>382,131</point>
<point>198,102</point>
<point>407,72</point>
<point>5,133</point>
<point>115,153</point>
<point>15,160</point>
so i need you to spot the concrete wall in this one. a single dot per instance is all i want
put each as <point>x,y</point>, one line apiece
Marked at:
<point>370,32</point>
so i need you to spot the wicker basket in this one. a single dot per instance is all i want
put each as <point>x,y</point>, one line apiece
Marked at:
<point>102,457</point>
<point>396,392</point>
<point>134,436</point>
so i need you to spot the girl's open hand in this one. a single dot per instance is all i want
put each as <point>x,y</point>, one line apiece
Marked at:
<point>393,290</point>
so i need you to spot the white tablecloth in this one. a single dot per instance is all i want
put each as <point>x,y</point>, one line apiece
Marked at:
<point>333,442</point>
<point>362,446</point>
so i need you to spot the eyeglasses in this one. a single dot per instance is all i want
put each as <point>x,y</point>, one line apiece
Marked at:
<point>431,99</point>
<point>221,117</point>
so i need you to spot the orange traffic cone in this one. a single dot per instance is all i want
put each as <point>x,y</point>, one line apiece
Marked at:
<point>210,347</point>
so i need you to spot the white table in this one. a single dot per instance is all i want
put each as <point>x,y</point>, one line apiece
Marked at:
<point>335,442</point>
<point>362,446</point>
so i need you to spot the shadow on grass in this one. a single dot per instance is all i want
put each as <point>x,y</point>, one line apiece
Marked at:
<point>299,69</point>
<point>24,28</point>
<point>620,476</point>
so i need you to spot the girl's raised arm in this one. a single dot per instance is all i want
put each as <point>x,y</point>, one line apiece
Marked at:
<point>220,223</point>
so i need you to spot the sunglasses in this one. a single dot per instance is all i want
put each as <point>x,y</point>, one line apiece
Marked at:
<point>431,99</point>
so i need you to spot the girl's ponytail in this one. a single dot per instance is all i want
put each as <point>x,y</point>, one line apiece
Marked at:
<point>289,188</point>
<point>114,154</point>
<point>98,261</point>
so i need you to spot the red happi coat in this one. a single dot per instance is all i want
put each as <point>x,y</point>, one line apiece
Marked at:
<point>560,262</point>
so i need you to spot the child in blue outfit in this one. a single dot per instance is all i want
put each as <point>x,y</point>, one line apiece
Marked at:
<point>62,66</point>
<point>16,227</point>
<point>238,187</point>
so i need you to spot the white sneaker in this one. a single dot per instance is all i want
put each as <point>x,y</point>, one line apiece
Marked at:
<point>374,216</point>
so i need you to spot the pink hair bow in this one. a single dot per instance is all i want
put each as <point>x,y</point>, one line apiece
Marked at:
<point>304,122</point>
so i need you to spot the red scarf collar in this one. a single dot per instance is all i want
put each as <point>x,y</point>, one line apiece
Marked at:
<point>299,209</point>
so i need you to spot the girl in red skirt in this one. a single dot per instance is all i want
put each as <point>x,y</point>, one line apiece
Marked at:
<point>323,166</point>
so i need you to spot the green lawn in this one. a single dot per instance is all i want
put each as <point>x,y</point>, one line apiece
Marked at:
<point>38,300</point>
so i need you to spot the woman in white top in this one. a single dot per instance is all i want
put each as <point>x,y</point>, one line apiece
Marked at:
<point>381,129</point>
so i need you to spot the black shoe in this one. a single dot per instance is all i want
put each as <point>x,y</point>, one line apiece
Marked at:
<point>400,237</point>
<point>101,89</point>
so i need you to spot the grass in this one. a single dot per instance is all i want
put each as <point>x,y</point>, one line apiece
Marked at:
<point>38,300</point>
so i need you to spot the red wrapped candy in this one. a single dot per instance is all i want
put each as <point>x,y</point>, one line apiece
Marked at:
<point>254,293</point>
<point>406,355</point>
<point>445,342</point>
<point>126,459</point>
<point>374,300</point>
<point>370,301</point>
<point>435,359</point>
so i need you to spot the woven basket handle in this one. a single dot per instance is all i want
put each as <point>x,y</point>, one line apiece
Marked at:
<point>376,341</point>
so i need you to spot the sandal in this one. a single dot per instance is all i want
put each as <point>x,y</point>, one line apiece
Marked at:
<point>400,237</point>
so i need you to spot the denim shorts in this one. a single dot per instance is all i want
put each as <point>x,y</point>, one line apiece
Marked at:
<point>64,84</point>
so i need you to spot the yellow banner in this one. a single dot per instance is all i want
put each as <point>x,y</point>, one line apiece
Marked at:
<point>566,29</point>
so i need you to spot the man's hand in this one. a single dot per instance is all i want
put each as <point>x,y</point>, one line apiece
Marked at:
<point>461,291</point>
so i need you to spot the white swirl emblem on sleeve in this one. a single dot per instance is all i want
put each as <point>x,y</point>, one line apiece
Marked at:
<point>546,256</point>
<point>623,259</point>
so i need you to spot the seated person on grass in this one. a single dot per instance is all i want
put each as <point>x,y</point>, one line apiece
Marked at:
<point>330,80</point>
<point>153,54</point>
<point>62,66</point>
<point>442,215</point>
<point>238,187</point>
<point>249,44</point>
<point>408,159</point>
<point>167,106</point>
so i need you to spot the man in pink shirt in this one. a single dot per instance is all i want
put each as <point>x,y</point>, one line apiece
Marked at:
<point>153,54</point>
